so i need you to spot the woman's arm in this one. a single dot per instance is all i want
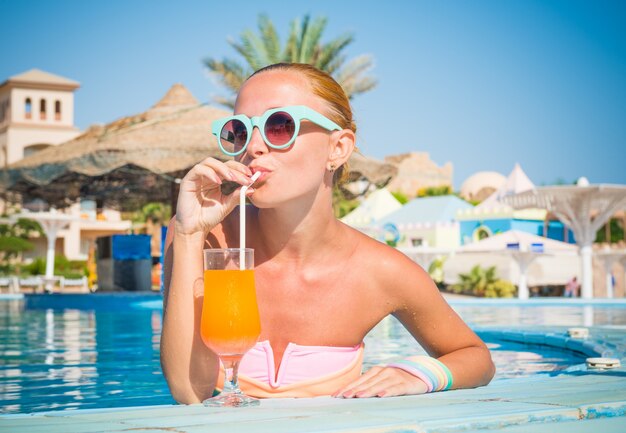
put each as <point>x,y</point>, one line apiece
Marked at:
<point>440,330</point>
<point>190,368</point>
<point>433,323</point>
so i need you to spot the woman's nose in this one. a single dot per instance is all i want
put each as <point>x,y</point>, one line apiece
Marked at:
<point>257,146</point>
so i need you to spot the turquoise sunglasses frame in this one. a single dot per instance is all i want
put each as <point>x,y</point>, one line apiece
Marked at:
<point>297,112</point>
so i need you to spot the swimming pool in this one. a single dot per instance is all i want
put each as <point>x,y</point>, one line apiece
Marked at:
<point>104,351</point>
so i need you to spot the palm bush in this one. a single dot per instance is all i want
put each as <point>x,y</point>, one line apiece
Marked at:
<point>483,283</point>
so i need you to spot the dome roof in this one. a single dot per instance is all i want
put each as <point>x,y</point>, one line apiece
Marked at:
<point>478,181</point>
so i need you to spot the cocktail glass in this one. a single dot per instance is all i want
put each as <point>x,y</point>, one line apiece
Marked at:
<point>230,323</point>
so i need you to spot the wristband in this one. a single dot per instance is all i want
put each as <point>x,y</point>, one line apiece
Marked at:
<point>431,371</point>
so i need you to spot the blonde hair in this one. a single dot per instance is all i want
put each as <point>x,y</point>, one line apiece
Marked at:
<point>325,87</point>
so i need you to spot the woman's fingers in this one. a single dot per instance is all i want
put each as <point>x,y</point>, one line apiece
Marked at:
<point>383,382</point>
<point>222,170</point>
<point>208,173</point>
<point>230,171</point>
<point>391,382</point>
<point>241,174</point>
<point>236,165</point>
<point>393,391</point>
<point>363,390</point>
<point>364,378</point>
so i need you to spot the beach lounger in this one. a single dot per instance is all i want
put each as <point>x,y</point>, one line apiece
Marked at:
<point>9,284</point>
<point>36,283</point>
<point>80,283</point>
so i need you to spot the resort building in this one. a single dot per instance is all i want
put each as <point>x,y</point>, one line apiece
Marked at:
<point>37,112</point>
<point>427,221</point>
<point>372,209</point>
<point>491,216</point>
<point>417,171</point>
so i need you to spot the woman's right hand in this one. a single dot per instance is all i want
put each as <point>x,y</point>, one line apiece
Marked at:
<point>201,204</point>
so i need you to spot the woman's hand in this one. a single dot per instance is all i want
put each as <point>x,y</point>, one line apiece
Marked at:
<point>201,204</point>
<point>383,382</point>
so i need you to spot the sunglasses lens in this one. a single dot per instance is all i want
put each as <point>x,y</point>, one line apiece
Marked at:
<point>279,128</point>
<point>234,136</point>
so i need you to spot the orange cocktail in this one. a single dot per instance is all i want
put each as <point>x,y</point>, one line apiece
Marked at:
<point>230,324</point>
<point>230,317</point>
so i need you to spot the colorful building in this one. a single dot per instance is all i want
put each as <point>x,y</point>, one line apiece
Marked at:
<point>492,217</point>
<point>427,221</point>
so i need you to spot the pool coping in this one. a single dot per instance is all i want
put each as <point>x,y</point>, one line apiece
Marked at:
<point>502,406</point>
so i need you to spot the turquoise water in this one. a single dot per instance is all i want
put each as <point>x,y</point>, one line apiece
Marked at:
<point>106,353</point>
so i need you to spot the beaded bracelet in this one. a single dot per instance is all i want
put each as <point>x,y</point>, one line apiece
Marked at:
<point>431,371</point>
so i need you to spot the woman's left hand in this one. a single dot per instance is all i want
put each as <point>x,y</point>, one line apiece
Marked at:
<point>383,382</point>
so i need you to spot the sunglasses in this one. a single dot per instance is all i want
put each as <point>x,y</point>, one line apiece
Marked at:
<point>279,128</point>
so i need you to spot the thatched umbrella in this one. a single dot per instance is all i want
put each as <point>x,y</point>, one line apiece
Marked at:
<point>137,159</point>
<point>130,161</point>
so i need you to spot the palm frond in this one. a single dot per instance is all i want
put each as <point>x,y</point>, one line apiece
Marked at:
<point>270,39</point>
<point>361,85</point>
<point>252,49</point>
<point>352,78</point>
<point>301,37</point>
<point>227,101</point>
<point>355,67</point>
<point>290,53</point>
<point>311,38</point>
<point>335,64</point>
<point>230,73</point>
<point>332,49</point>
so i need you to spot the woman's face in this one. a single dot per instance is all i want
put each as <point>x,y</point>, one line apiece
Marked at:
<point>300,169</point>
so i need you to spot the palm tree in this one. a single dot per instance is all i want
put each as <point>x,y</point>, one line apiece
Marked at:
<point>303,46</point>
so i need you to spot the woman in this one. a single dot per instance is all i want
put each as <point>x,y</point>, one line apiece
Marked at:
<point>321,285</point>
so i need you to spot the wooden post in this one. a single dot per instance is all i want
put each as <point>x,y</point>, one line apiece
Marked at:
<point>174,189</point>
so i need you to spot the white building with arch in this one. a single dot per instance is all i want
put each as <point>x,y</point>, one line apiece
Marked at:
<point>36,111</point>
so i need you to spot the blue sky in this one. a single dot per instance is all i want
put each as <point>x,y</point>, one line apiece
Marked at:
<point>483,84</point>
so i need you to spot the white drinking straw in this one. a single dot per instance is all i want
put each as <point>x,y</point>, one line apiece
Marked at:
<point>242,221</point>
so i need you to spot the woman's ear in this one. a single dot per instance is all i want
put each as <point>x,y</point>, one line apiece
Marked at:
<point>341,147</point>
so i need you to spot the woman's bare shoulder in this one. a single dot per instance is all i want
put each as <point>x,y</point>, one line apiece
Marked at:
<point>371,251</point>
<point>392,271</point>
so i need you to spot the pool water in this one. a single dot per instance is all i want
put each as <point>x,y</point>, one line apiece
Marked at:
<point>390,340</point>
<point>74,359</point>
<point>61,359</point>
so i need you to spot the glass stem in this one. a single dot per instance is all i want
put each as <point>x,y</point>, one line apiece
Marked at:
<point>231,371</point>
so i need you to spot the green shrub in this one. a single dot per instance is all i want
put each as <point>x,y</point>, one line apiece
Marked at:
<point>483,283</point>
<point>400,196</point>
<point>500,289</point>
<point>435,270</point>
<point>62,267</point>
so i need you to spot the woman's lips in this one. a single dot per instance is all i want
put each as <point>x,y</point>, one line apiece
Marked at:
<point>264,173</point>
